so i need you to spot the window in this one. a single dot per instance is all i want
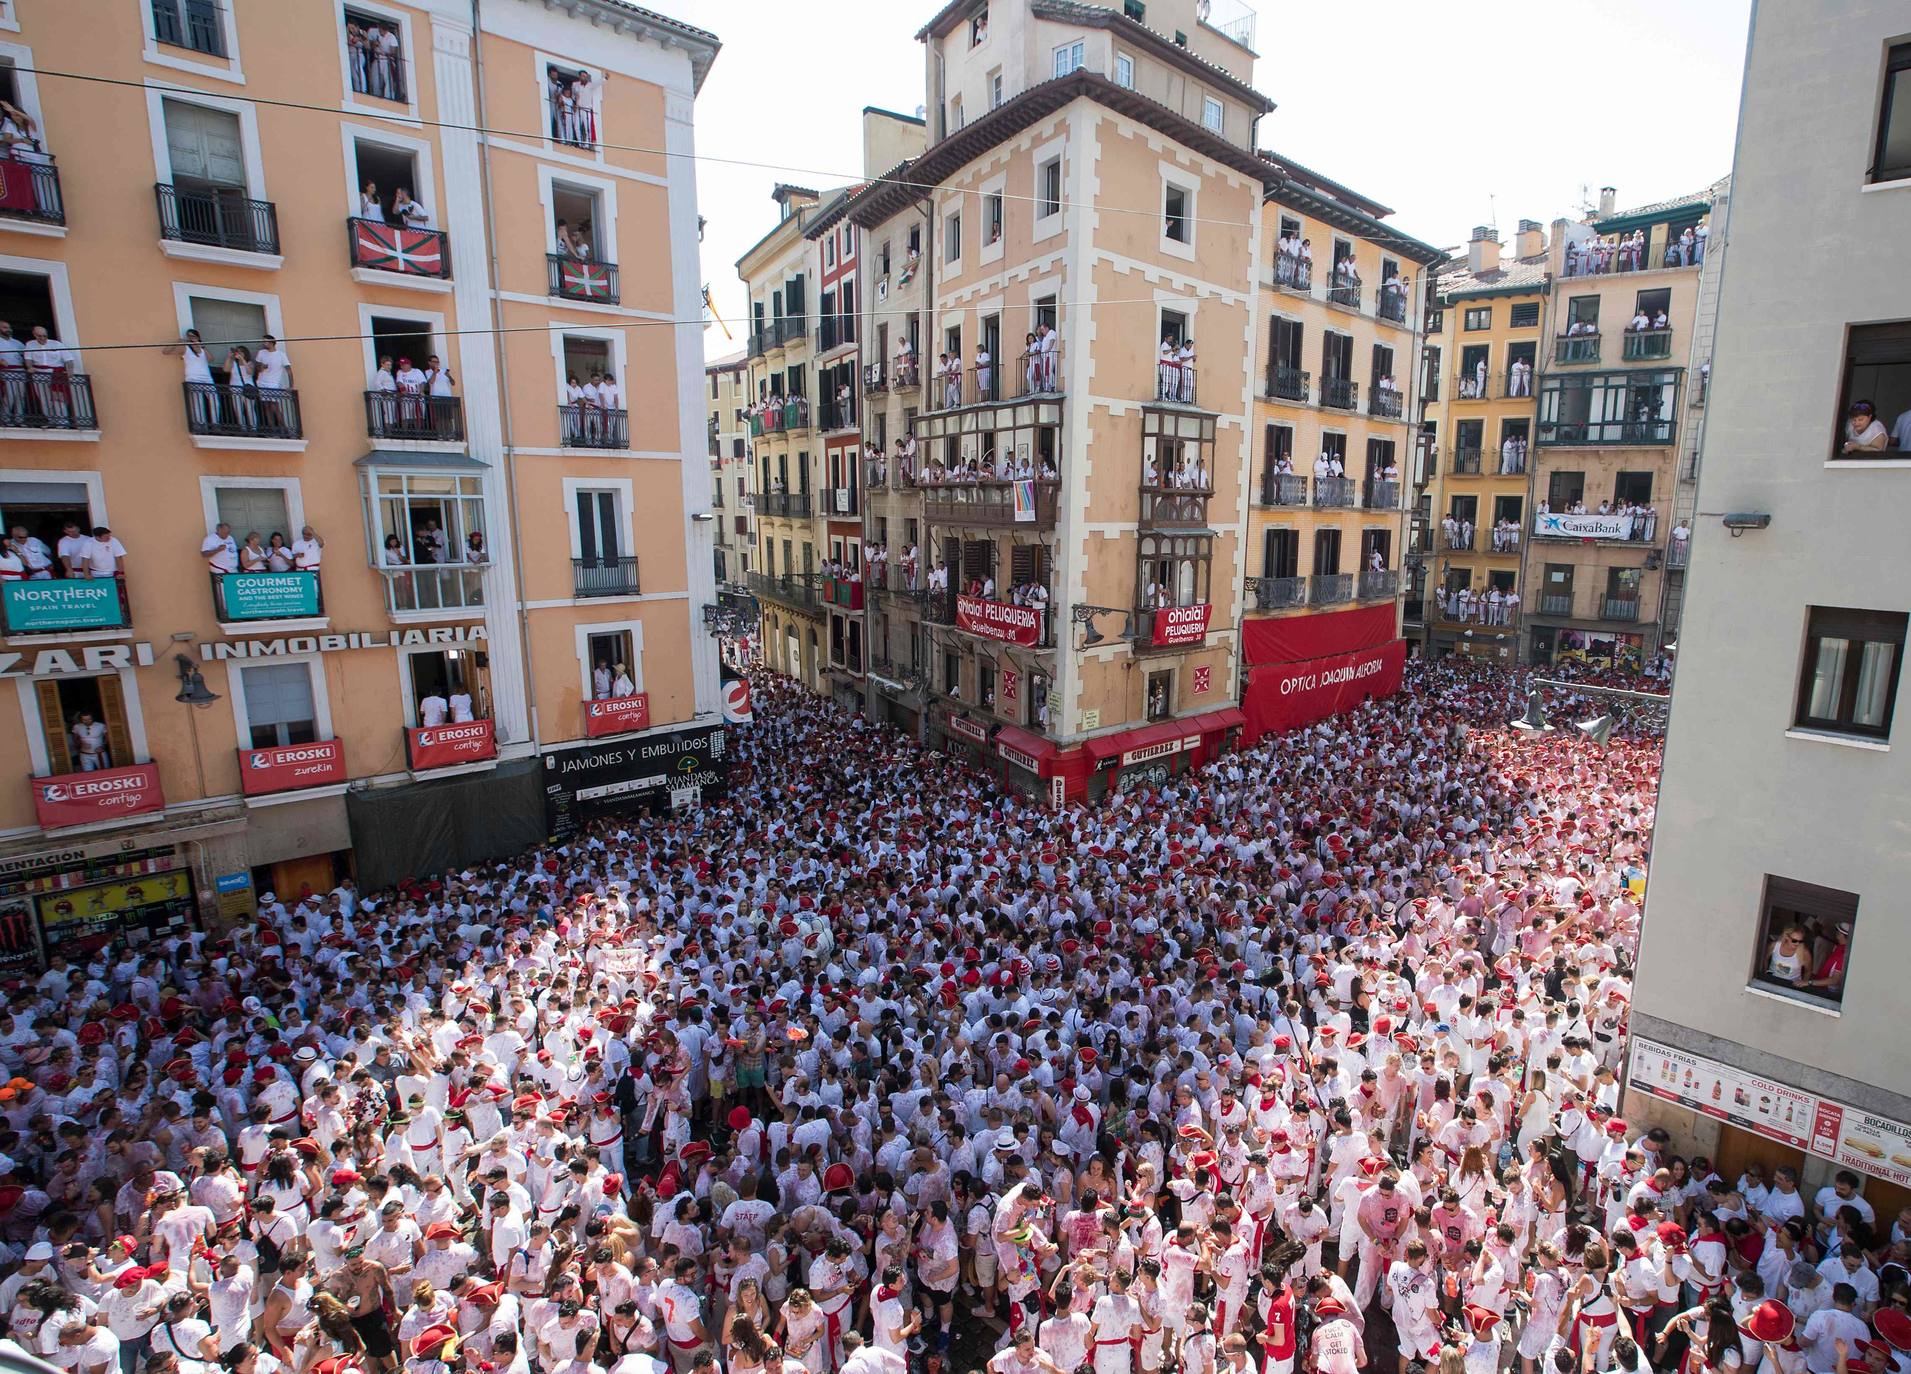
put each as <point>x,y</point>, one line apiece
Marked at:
<point>64,702</point>
<point>1048,188</point>
<point>1175,215</point>
<point>829,255</point>
<point>375,49</point>
<point>575,96</point>
<point>278,704</point>
<point>1564,489</point>
<point>1635,487</point>
<point>952,238</point>
<point>1478,317</point>
<point>995,88</point>
<point>423,527</point>
<point>1850,678</point>
<point>1524,315</point>
<point>1280,553</point>
<point>979,29</point>
<point>992,218</point>
<point>1326,552</point>
<point>1582,315</point>
<point>1069,57</point>
<point>195,24</point>
<point>1892,160</point>
<point>254,510</point>
<point>1609,408</point>
<point>1160,703</point>
<point>1135,10</point>
<point>450,673</point>
<point>1877,369</point>
<point>1124,70</point>
<point>1210,113</point>
<point>1804,940</point>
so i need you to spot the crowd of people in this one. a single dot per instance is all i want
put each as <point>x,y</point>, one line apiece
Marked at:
<point>1625,252</point>
<point>868,1066</point>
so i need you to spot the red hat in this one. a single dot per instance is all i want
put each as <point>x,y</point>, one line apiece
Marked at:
<point>1615,1127</point>
<point>838,1178</point>
<point>486,1294</point>
<point>1772,1321</point>
<point>1482,1320</point>
<point>1329,1307</point>
<point>441,1230</point>
<point>698,1150</point>
<point>1089,1056</point>
<point>1190,1131</point>
<point>1372,1165</point>
<point>739,1118</point>
<point>1202,1159</point>
<point>342,1178</point>
<point>1671,1233</point>
<point>1894,1326</point>
<point>427,1343</point>
<point>339,1364</point>
<point>130,1277</point>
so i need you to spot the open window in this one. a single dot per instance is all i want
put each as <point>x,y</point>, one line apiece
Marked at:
<point>50,512</point>
<point>574,98</point>
<point>576,216</point>
<point>389,177</point>
<point>614,669</point>
<point>460,678</point>
<point>427,536</point>
<point>1878,372</point>
<point>376,57</point>
<point>1176,208</point>
<point>57,394</point>
<point>84,723</point>
<point>1804,941</point>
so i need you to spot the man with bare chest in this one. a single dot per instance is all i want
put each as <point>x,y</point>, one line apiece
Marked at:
<point>365,1289</point>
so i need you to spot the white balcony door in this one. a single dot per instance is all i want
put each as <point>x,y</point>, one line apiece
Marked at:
<point>205,145</point>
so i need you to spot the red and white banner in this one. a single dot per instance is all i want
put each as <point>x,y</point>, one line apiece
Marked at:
<point>285,768</point>
<point>89,798</point>
<point>736,700</point>
<point>1286,696</point>
<point>445,746</point>
<point>617,715</point>
<point>999,620</point>
<point>1181,624</point>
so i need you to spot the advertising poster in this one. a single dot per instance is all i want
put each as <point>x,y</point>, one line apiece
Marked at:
<point>75,923</point>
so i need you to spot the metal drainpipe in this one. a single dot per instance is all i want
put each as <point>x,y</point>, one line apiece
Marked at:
<point>497,349</point>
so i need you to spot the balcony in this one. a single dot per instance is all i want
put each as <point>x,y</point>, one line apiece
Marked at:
<point>1334,491</point>
<point>875,379</point>
<point>1476,386</point>
<point>1175,508</point>
<point>1643,345</point>
<point>1466,462</point>
<point>1595,432</point>
<point>837,412</point>
<point>395,250</point>
<point>1385,403</point>
<point>1340,393</point>
<point>1576,348</point>
<point>47,400</point>
<point>30,189</point>
<point>841,501</point>
<point>791,417</point>
<point>1171,629</point>
<point>1293,273</point>
<point>1379,584</point>
<point>1287,384</point>
<point>427,587</point>
<point>1277,593</point>
<point>844,593</point>
<point>990,503</point>
<point>791,329</point>
<point>414,417</point>
<point>1556,605</point>
<point>217,217</point>
<point>1175,384</point>
<point>1392,306</point>
<point>1459,541</point>
<point>1283,489</point>
<point>238,598</point>
<point>1034,374</point>
<point>1346,295</point>
<point>835,331</point>
<point>876,474</point>
<point>594,283</point>
<point>758,343</point>
<point>193,24</point>
<point>64,606</point>
<point>893,581</point>
<point>256,413</point>
<point>789,505</point>
<point>906,376</point>
<point>1619,608</point>
<point>606,575</point>
<point>1381,493</point>
<point>593,427</point>
<point>797,591</point>
<point>1678,553</point>
<point>1327,589</point>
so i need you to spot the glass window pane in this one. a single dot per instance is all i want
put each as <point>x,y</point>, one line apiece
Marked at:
<point>1894,143</point>
<point>1874,681</point>
<point>1826,677</point>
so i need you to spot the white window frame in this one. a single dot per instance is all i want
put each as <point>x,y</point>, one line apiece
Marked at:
<point>1124,66</point>
<point>440,340</point>
<point>583,632</point>
<point>33,729</point>
<point>1074,53</point>
<point>1048,225</point>
<point>1211,106</point>
<point>61,289</point>
<point>158,55</point>
<point>321,694</point>
<point>184,291</point>
<point>829,252</point>
<point>402,21</point>
<point>10,22</point>
<point>91,479</point>
<point>955,261</point>
<point>409,699</point>
<point>542,61</point>
<point>616,338</point>
<point>604,188</point>
<point>998,90</point>
<point>1190,185</point>
<point>1166,304</point>
<point>26,79</point>
<point>425,193</point>
<point>157,94</point>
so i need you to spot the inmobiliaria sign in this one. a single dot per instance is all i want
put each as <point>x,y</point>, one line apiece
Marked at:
<point>999,620</point>
<point>285,768</point>
<point>88,798</point>
<point>445,746</point>
<point>617,715</point>
<point>1181,624</point>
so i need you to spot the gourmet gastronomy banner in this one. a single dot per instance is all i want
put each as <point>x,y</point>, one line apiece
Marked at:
<point>999,620</point>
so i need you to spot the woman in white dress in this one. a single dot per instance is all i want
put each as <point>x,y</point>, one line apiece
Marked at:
<point>1536,1110</point>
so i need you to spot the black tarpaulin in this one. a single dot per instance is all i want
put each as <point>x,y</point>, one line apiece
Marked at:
<point>426,828</point>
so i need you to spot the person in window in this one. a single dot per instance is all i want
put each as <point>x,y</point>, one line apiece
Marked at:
<point>88,737</point>
<point>370,207</point>
<point>278,553</point>
<point>19,136</point>
<point>430,543</point>
<point>272,371</point>
<point>434,709</point>
<point>308,551</point>
<point>1829,976</point>
<point>474,549</point>
<point>252,557</point>
<point>1184,370</point>
<point>408,212</point>
<point>411,392</point>
<point>102,555</point>
<point>620,684</point>
<point>984,374</point>
<point>587,100</point>
<point>1789,959</point>
<point>601,680</point>
<point>13,567</point>
<point>1167,369</point>
<point>460,704</point>
<point>395,556</point>
<point>568,239</point>
<point>13,377</point>
<point>1863,433</point>
<point>49,364</point>
<point>384,389</point>
<point>33,552</point>
<point>220,550</point>
<point>358,54</point>
<point>242,388</point>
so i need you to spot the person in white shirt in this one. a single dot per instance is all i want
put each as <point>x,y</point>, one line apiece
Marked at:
<point>439,381</point>
<point>221,550</point>
<point>621,684</point>
<point>461,706</point>
<point>1184,366</point>
<point>88,737</point>
<point>272,372</point>
<point>32,552</point>
<point>600,681</point>
<point>413,412</point>
<point>69,547</point>
<point>48,363</point>
<point>434,709</point>
<point>308,550</point>
<point>103,555</point>
<point>13,568</point>
<point>409,212</point>
<point>370,207</point>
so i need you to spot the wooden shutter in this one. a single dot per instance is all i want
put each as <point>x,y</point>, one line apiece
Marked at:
<point>53,726</point>
<point>119,738</point>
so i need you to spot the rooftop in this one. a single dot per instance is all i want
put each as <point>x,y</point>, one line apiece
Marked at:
<point>701,44</point>
<point>1452,279</point>
<point>727,363</point>
<point>1660,209</point>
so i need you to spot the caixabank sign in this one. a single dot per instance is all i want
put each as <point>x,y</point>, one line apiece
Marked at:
<point>649,771</point>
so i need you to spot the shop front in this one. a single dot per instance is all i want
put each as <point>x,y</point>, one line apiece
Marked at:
<point>963,738</point>
<point>74,898</point>
<point>1150,755</point>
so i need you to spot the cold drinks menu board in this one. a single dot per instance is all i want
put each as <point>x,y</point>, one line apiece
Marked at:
<point>1852,1138</point>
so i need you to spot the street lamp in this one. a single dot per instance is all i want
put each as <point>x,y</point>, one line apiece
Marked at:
<point>1086,615</point>
<point>194,692</point>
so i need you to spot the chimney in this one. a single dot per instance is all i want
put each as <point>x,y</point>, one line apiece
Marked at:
<point>1530,241</point>
<point>1608,201</point>
<point>1483,250</point>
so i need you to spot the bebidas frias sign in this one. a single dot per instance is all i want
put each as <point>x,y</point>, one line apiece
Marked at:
<point>96,658</point>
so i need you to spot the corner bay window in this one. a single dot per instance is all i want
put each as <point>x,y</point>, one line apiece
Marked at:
<point>426,535</point>
<point>1609,408</point>
<point>1849,680</point>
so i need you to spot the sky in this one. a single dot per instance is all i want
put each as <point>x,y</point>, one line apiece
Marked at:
<point>1453,112</point>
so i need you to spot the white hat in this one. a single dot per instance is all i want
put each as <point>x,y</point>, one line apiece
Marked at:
<point>1005,1144</point>
<point>268,897</point>
<point>41,1252</point>
<point>1081,1092</point>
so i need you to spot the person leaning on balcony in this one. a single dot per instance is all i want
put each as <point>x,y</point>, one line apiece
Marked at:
<point>608,395</point>
<point>102,555</point>
<point>72,542</point>
<point>407,211</point>
<point>203,404</point>
<point>13,377</point>
<point>35,554</point>
<point>13,567</point>
<point>370,207</point>
<point>621,686</point>
<point>600,680</point>
<point>308,550</point>
<point>1863,433</point>
<point>433,710</point>
<point>474,549</point>
<point>252,557</point>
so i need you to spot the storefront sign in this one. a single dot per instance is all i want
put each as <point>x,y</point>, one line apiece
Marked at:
<point>269,595</point>
<point>19,937</point>
<point>736,699</point>
<point>60,603</point>
<point>105,795</point>
<point>999,620</point>
<point>1181,624</point>
<point>97,658</point>
<point>633,773</point>
<point>77,922</point>
<point>1057,792</point>
<point>285,768</point>
<point>1158,751</point>
<point>1286,696</point>
<point>968,729</point>
<point>1855,1139</point>
<point>617,715</point>
<point>232,882</point>
<point>1559,525</point>
<point>1018,758</point>
<point>446,746</point>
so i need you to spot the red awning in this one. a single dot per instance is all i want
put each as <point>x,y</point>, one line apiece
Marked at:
<point>1123,741</point>
<point>1213,721</point>
<point>1024,741</point>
